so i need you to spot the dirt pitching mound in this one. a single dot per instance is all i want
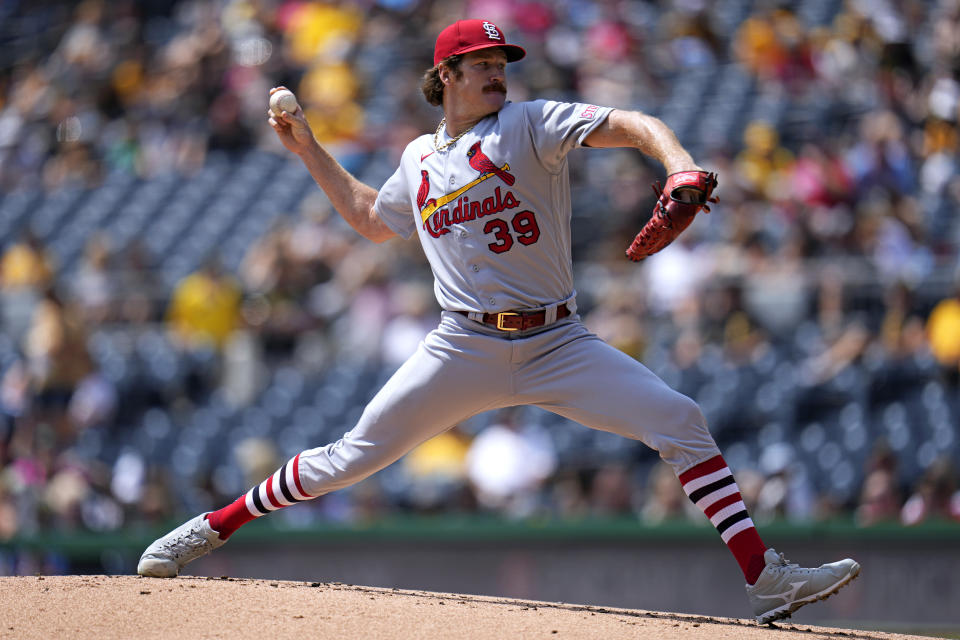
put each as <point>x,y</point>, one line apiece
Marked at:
<point>83,607</point>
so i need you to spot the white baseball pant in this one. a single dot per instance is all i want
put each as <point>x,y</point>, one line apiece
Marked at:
<point>463,368</point>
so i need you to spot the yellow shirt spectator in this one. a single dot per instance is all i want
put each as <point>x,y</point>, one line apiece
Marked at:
<point>444,455</point>
<point>25,265</point>
<point>322,30</point>
<point>943,329</point>
<point>205,308</point>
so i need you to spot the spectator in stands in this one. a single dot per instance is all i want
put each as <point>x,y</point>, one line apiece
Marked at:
<point>9,525</point>
<point>880,158</point>
<point>437,473</point>
<point>279,282</point>
<point>261,268</point>
<point>616,318</point>
<point>566,494</point>
<point>769,43</point>
<point>935,496</point>
<point>138,292</point>
<point>775,288</point>
<point>614,492</point>
<point>57,359</point>
<point>26,265</point>
<point>508,464</point>
<point>763,159</point>
<point>26,270</point>
<point>901,333</point>
<point>93,403</point>
<point>843,336</point>
<point>363,279</point>
<point>205,308</point>
<point>880,498</point>
<point>686,353</point>
<point>15,401</point>
<point>943,331</point>
<point>785,492</point>
<point>817,177</point>
<point>665,500</point>
<point>203,315</point>
<point>93,287</point>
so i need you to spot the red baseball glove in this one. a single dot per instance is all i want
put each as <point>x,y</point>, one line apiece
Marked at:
<point>674,211</point>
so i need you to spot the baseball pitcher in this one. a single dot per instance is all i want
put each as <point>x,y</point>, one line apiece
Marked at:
<point>488,195</point>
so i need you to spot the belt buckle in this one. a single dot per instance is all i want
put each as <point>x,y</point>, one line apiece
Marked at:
<point>500,317</point>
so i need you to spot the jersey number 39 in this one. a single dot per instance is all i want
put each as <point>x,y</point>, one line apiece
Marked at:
<point>524,225</point>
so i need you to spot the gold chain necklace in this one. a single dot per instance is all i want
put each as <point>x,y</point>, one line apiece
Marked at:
<point>451,142</point>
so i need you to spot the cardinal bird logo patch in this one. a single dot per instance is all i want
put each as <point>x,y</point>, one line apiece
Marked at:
<point>424,190</point>
<point>438,214</point>
<point>479,161</point>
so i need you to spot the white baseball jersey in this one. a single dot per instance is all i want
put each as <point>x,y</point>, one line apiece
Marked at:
<point>493,214</point>
<point>493,209</point>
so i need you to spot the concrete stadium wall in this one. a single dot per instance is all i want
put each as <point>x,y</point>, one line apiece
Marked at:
<point>902,585</point>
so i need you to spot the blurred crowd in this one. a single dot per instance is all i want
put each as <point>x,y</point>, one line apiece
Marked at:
<point>828,272</point>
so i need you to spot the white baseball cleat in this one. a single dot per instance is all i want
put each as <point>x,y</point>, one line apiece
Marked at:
<point>782,588</point>
<point>167,555</point>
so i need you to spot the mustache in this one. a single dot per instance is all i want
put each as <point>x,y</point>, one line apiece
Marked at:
<point>496,87</point>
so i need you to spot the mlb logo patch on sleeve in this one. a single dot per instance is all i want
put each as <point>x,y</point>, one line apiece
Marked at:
<point>590,111</point>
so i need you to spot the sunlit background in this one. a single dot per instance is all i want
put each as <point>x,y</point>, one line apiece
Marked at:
<point>182,310</point>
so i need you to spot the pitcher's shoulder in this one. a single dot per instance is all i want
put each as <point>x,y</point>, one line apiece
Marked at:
<point>511,111</point>
<point>528,110</point>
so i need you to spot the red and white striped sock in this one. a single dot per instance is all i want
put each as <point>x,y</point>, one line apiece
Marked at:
<point>710,485</point>
<point>281,489</point>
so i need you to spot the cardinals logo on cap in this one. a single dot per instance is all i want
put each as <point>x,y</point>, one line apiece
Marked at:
<point>492,32</point>
<point>464,36</point>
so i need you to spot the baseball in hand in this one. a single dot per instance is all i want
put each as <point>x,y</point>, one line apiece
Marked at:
<point>283,100</point>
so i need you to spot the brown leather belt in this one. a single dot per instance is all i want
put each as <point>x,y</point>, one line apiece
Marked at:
<point>520,320</point>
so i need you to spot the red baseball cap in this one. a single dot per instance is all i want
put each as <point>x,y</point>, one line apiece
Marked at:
<point>464,36</point>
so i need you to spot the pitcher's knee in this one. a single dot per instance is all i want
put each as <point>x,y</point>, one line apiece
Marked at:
<point>687,414</point>
<point>684,439</point>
